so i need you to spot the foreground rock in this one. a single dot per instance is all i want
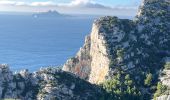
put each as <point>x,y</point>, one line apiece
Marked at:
<point>46,84</point>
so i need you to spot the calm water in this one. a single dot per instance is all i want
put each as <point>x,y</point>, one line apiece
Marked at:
<point>27,42</point>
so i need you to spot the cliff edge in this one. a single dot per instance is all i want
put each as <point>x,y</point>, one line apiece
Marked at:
<point>137,47</point>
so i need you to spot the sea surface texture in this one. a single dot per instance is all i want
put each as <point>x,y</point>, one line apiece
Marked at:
<point>31,43</point>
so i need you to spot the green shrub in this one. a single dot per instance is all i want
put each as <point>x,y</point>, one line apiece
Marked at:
<point>121,87</point>
<point>120,53</point>
<point>161,89</point>
<point>148,80</point>
<point>167,65</point>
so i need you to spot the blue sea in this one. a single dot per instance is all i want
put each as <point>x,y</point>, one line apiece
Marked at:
<point>31,43</point>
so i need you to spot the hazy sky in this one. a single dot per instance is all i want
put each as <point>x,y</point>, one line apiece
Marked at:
<point>112,7</point>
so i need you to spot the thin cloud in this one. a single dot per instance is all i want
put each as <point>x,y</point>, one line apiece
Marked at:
<point>7,2</point>
<point>74,3</point>
<point>74,7</point>
<point>86,3</point>
<point>48,3</point>
<point>80,2</point>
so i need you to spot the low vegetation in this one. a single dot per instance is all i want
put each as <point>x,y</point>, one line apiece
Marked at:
<point>161,89</point>
<point>121,88</point>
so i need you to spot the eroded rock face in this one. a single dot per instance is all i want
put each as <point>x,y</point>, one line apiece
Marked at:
<point>92,60</point>
<point>164,97</point>
<point>98,53</point>
<point>56,84</point>
<point>45,84</point>
<point>80,64</point>
<point>21,85</point>
<point>137,46</point>
<point>131,45</point>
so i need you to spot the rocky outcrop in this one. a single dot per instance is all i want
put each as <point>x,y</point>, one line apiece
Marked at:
<point>93,57</point>
<point>45,84</point>
<point>96,51</point>
<point>137,47</point>
<point>99,56</point>
<point>21,85</point>
<point>164,97</point>
<point>80,64</point>
<point>56,84</point>
<point>164,76</point>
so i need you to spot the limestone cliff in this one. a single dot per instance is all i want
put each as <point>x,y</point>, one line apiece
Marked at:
<point>92,60</point>
<point>99,56</point>
<point>123,43</point>
<point>80,65</point>
<point>137,47</point>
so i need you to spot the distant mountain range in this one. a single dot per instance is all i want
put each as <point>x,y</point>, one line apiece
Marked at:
<point>50,13</point>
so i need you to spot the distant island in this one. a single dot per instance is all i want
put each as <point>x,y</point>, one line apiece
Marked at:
<point>50,13</point>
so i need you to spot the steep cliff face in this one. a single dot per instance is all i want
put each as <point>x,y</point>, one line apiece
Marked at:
<point>129,44</point>
<point>45,84</point>
<point>92,60</point>
<point>80,64</point>
<point>99,56</point>
<point>137,47</point>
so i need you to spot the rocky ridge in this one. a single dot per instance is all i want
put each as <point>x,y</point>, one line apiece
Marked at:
<point>137,47</point>
<point>45,84</point>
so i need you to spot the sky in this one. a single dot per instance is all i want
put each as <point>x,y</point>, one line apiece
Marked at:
<point>99,7</point>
